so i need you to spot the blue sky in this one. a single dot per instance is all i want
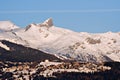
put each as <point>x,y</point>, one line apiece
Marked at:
<point>93,16</point>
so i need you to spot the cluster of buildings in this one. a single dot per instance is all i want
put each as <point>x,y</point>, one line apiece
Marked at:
<point>27,71</point>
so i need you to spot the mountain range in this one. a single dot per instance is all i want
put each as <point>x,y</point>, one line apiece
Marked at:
<point>62,43</point>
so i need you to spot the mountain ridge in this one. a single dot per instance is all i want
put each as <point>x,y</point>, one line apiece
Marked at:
<point>81,46</point>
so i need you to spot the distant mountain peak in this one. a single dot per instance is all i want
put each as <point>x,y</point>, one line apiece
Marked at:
<point>47,23</point>
<point>30,26</point>
<point>7,26</point>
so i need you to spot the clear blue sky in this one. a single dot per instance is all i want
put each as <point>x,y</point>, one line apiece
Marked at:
<point>78,15</point>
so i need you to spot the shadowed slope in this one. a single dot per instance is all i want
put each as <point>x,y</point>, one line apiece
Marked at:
<point>23,54</point>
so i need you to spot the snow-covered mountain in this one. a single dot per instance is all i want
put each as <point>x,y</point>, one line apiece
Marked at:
<point>7,25</point>
<point>64,43</point>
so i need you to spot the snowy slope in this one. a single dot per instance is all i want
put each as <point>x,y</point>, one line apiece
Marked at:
<point>7,26</point>
<point>65,43</point>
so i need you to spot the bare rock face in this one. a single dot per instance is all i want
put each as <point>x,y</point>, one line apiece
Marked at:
<point>30,26</point>
<point>47,23</point>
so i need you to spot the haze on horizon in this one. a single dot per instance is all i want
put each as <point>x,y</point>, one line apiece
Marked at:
<point>81,16</point>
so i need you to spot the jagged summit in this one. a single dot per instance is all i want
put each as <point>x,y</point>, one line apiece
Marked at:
<point>47,23</point>
<point>7,26</point>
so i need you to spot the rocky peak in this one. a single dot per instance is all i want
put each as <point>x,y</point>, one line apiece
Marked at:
<point>47,23</point>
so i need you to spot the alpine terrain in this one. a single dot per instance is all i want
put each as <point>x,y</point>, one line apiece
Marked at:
<point>63,43</point>
<point>45,52</point>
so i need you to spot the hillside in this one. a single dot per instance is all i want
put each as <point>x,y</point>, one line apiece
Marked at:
<point>19,53</point>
